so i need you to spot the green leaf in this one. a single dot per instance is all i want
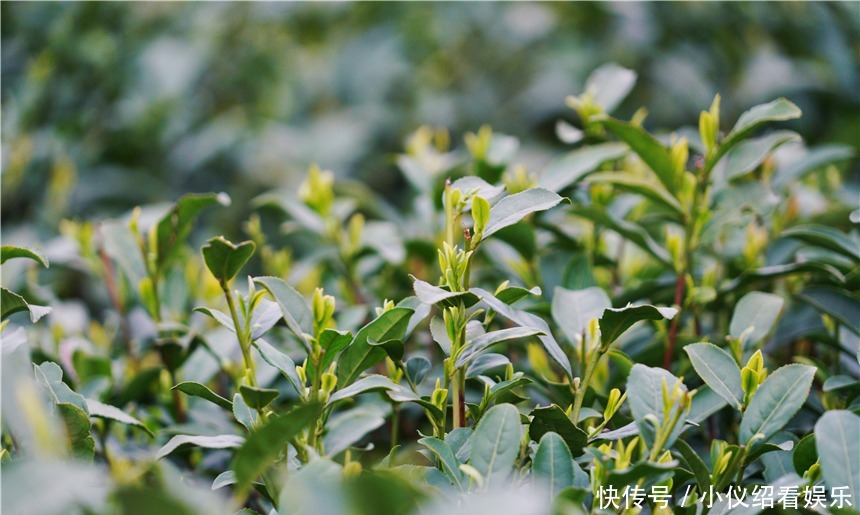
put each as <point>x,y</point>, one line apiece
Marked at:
<point>775,111</point>
<point>718,369</point>
<point>50,376</point>
<point>552,419</point>
<point>257,398</point>
<point>332,342</point>
<point>525,319</point>
<point>837,439</point>
<point>776,401</point>
<point>417,368</point>
<point>758,311</point>
<point>835,302</point>
<point>641,186</point>
<point>224,258</point>
<point>429,294</point>
<point>610,84</point>
<point>207,442</point>
<point>487,340</point>
<point>347,428</point>
<point>174,227</point>
<point>645,397</point>
<point>361,354</point>
<point>697,466</point>
<point>615,322</point>
<point>805,454</point>
<point>200,390</point>
<point>11,303</point>
<point>573,166</point>
<point>572,309</point>
<point>243,413</point>
<point>512,294</point>
<point>553,463</point>
<point>825,237</point>
<point>263,446</point>
<point>78,425</point>
<point>280,361</point>
<point>514,208</point>
<point>8,252</point>
<point>496,443</point>
<point>373,382</point>
<point>296,312</point>
<point>746,156</point>
<point>449,462</point>
<point>106,411</point>
<point>651,151</point>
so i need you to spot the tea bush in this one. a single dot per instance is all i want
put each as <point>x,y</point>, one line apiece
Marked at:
<point>663,322</point>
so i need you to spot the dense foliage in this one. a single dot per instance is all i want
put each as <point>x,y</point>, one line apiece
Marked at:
<point>674,313</point>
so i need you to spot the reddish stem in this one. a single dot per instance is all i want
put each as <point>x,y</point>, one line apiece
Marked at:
<point>673,328</point>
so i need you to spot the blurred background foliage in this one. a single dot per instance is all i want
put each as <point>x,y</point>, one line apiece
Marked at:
<point>106,105</point>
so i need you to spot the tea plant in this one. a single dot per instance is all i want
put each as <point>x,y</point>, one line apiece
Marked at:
<point>649,324</point>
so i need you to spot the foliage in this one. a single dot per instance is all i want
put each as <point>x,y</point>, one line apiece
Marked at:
<point>651,310</point>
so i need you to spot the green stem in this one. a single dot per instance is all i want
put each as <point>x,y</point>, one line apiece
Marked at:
<point>583,385</point>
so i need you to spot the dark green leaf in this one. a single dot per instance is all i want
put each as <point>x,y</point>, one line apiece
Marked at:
<point>11,303</point>
<point>417,368</point>
<point>361,354</point>
<point>264,445</point>
<point>78,425</point>
<point>224,258</point>
<point>174,227</point>
<point>697,466</point>
<point>202,391</point>
<point>837,303</point>
<point>805,454</point>
<point>8,252</point>
<point>651,151</point>
<point>552,419</point>
<point>615,322</point>
<point>257,398</point>
<point>825,237</point>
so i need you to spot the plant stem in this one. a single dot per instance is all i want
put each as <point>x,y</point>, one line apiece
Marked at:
<point>673,328</point>
<point>459,398</point>
<point>583,385</point>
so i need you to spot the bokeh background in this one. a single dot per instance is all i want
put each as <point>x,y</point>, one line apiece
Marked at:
<point>109,105</point>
